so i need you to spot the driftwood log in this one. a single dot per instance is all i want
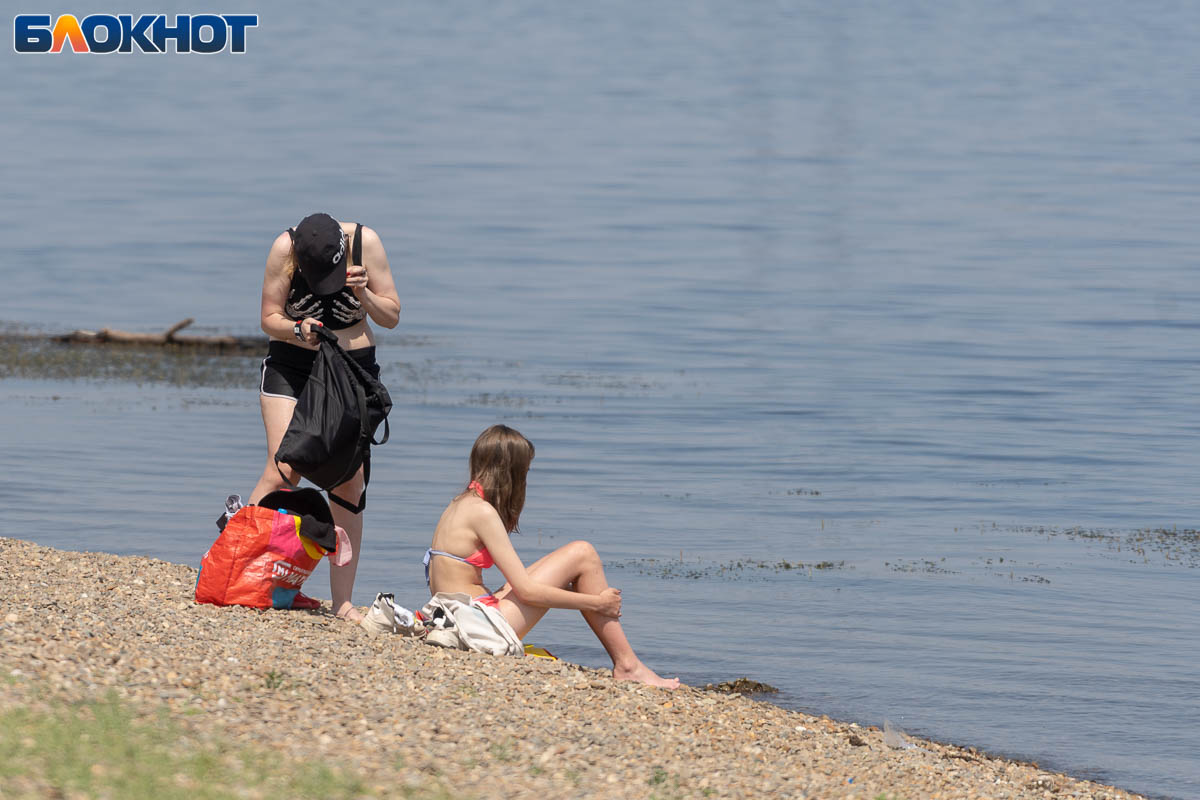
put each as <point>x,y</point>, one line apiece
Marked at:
<point>168,337</point>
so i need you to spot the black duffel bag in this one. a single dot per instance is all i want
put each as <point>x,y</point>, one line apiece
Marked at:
<point>334,423</point>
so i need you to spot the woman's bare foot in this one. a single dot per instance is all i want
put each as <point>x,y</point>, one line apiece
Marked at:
<point>349,613</point>
<point>642,674</point>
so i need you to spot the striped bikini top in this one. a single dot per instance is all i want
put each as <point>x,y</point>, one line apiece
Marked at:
<point>480,558</point>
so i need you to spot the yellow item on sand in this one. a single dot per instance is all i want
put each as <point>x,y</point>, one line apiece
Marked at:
<point>539,652</point>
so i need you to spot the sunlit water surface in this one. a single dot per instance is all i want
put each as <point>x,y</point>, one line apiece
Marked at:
<point>903,298</point>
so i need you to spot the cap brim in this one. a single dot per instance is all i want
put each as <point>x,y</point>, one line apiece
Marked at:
<point>331,282</point>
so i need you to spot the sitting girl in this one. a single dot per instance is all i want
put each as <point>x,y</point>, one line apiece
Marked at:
<point>473,533</point>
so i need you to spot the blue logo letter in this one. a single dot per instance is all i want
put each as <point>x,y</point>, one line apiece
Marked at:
<point>216,25</point>
<point>112,30</point>
<point>237,30</point>
<point>31,33</point>
<point>136,32</point>
<point>181,32</point>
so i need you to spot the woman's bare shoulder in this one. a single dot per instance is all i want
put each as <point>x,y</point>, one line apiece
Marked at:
<point>279,256</point>
<point>369,236</point>
<point>282,245</point>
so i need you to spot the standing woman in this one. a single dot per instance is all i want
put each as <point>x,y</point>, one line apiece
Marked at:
<point>336,274</point>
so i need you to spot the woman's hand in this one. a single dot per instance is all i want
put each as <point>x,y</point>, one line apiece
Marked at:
<point>308,328</point>
<point>610,602</point>
<point>356,279</point>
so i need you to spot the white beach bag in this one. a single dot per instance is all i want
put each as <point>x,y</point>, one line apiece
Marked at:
<point>476,626</point>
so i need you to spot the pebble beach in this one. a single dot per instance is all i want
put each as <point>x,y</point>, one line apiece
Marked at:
<point>409,719</point>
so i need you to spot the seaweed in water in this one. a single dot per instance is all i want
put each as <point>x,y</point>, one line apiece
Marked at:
<point>741,569</point>
<point>918,565</point>
<point>1176,546</point>
<point>179,366</point>
<point>741,686</point>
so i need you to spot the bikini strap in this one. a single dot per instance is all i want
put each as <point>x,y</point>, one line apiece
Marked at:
<point>431,552</point>
<point>477,488</point>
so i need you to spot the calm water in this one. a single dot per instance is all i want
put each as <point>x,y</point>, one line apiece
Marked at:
<point>903,291</point>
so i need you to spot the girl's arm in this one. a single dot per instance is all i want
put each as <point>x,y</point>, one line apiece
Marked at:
<point>375,288</point>
<point>491,532</point>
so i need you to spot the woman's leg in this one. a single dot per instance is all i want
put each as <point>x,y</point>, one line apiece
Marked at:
<point>578,567</point>
<point>341,579</point>
<point>276,413</point>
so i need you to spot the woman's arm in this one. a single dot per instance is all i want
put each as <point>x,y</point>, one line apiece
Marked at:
<point>372,283</point>
<point>491,532</point>
<point>276,283</point>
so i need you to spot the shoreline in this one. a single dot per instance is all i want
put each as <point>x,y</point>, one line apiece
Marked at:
<point>403,716</point>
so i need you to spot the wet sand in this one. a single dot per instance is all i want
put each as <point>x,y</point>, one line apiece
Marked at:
<point>406,717</point>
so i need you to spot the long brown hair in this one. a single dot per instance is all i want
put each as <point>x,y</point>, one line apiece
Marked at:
<point>500,461</point>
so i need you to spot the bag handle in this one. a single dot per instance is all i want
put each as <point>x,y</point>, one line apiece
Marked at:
<point>387,431</point>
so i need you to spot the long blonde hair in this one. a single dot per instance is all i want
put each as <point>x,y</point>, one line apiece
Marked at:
<point>500,461</point>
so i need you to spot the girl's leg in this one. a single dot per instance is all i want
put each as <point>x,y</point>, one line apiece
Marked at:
<point>341,579</point>
<point>577,566</point>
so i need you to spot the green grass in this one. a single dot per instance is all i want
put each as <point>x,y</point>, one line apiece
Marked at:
<point>99,750</point>
<point>503,751</point>
<point>664,785</point>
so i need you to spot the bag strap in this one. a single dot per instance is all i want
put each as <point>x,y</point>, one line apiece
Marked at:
<point>387,431</point>
<point>281,475</point>
<point>356,248</point>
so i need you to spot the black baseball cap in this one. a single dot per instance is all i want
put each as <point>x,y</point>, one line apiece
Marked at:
<point>320,247</point>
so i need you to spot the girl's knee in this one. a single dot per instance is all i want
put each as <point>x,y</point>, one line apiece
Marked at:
<point>583,550</point>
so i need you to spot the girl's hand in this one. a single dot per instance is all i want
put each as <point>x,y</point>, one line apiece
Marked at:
<point>356,278</point>
<point>610,602</point>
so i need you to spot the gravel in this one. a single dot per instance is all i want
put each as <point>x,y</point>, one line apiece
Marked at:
<point>400,714</point>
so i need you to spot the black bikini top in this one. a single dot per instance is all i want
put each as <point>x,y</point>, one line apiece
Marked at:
<point>338,310</point>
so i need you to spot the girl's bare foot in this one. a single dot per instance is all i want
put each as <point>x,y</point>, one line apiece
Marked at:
<point>642,674</point>
<point>349,613</point>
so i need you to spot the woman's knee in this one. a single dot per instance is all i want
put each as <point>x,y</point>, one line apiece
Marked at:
<point>278,475</point>
<point>351,489</point>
